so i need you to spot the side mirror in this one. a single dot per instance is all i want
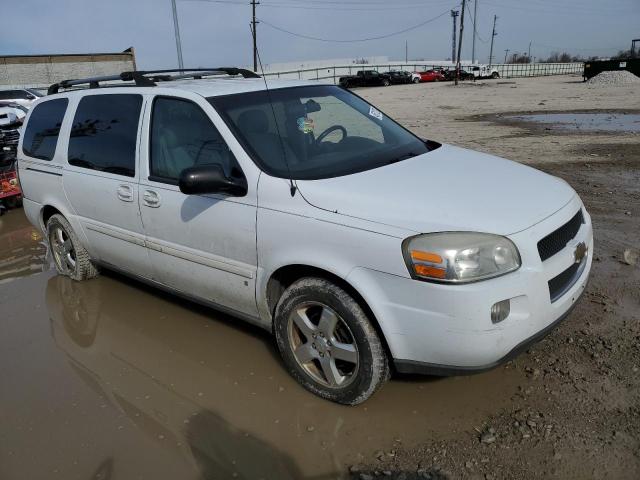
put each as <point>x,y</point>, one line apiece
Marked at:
<point>210,179</point>
<point>30,96</point>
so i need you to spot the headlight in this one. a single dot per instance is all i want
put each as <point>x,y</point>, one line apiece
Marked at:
<point>459,257</point>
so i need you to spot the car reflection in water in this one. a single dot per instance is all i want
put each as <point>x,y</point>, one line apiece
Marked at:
<point>212,387</point>
<point>121,346</point>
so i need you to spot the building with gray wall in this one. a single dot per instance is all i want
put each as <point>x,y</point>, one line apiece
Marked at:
<point>40,71</point>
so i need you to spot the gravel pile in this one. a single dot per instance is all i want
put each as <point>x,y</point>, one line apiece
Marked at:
<point>620,77</point>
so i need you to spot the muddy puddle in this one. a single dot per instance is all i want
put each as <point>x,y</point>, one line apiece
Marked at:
<point>22,248</point>
<point>587,122</point>
<point>110,379</point>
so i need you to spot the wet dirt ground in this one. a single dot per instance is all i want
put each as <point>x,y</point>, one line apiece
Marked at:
<point>110,379</point>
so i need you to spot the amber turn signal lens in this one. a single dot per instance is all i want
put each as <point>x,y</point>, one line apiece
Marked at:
<point>425,256</point>
<point>431,272</point>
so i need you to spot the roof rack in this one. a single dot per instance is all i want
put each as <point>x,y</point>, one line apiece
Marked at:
<point>149,78</point>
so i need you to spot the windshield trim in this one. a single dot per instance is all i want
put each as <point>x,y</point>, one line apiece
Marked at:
<point>255,157</point>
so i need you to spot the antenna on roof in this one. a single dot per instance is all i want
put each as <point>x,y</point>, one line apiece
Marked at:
<point>292,185</point>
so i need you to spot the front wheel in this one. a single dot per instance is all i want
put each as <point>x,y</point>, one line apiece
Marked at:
<point>495,75</point>
<point>70,257</point>
<point>386,83</point>
<point>327,342</point>
<point>416,80</point>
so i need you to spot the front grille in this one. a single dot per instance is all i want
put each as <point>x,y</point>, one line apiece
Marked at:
<point>558,239</point>
<point>560,284</point>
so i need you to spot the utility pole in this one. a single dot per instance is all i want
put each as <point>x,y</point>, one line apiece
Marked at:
<point>529,55</point>
<point>464,2</point>
<point>493,34</point>
<point>506,52</point>
<point>406,51</point>
<point>176,29</point>
<point>473,44</point>
<point>454,15</point>
<point>254,22</point>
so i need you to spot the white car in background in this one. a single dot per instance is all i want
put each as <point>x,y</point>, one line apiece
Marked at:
<point>21,96</point>
<point>309,212</point>
<point>484,71</point>
<point>12,113</point>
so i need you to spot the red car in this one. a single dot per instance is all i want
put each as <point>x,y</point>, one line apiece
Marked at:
<point>431,76</point>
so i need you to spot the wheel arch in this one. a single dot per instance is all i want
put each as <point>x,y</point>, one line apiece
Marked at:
<point>286,275</point>
<point>47,212</point>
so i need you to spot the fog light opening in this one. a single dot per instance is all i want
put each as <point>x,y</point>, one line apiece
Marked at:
<point>500,311</point>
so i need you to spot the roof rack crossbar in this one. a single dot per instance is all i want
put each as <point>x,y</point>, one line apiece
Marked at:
<point>148,78</point>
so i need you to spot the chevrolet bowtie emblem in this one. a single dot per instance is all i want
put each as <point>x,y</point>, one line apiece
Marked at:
<point>580,252</point>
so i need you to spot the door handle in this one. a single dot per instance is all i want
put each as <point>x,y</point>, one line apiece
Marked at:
<point>124,193</point>
<point>151,199</point>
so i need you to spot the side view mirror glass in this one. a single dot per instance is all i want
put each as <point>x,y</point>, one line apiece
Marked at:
<point>205,179</point>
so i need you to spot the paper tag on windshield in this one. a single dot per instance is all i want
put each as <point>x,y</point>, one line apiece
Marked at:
<point>375,113</point>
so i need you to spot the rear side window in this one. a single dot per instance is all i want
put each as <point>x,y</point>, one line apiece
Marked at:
<point>43,128</point>
<point>104,133</point>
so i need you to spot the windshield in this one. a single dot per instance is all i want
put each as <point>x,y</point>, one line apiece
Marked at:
<point>315,132</point>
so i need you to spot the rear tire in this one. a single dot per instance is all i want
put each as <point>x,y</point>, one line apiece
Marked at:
<point>69,256</point>
<point>495,75</point>
<point>386,83</point>
<point>327,342</point>
<point>416,80</point>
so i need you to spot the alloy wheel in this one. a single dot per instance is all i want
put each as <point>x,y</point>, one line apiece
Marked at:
<point>323,345</point>
<point>63,252</point>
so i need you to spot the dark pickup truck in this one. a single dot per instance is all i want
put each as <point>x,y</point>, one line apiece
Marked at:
<point>365,78</point>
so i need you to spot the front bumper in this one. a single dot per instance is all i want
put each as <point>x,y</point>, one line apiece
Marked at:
<point>447,329</point>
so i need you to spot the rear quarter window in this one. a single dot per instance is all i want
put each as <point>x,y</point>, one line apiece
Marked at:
<point>43,129</point>
<point>104,133</point>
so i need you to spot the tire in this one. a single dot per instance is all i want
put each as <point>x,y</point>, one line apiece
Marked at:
<point>416,80</point>
<point>357,368</point>
<point>386,83</point>
<point>495,75</point>
<point>69,256</point>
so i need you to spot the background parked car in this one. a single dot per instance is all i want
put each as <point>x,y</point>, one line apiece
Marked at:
<point>400,77</point>
<point>484,71</point>
<point>11,113</point>
<point>450,74</point>
<point>431,76</point>
<point>365,78</point>
<point>21,96</point>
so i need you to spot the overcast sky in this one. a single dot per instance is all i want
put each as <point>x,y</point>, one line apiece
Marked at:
<point>217,32</point>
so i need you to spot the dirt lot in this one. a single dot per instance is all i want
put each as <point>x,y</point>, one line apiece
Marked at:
<point>109,379</point>
<point>576,412</point>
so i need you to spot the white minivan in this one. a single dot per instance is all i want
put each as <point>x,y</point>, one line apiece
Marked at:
<point>307,211</point>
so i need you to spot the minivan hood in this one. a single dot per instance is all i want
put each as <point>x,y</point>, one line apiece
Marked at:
<point>447,189</point>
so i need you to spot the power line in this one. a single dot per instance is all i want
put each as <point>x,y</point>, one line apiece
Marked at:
<point>379,37</point>
<point>333,6</point>
<point>475,30</point>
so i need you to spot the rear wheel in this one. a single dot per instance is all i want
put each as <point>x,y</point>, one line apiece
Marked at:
<point>416,80</point>
<point>386,83</point>
<point>70,257</point>
<point>327,342</point>
<point>495,75</point>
